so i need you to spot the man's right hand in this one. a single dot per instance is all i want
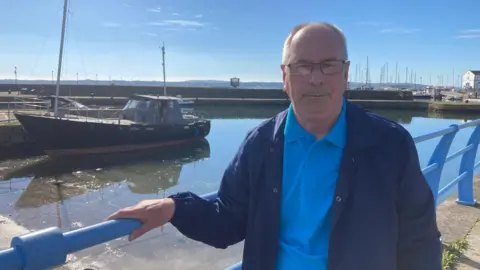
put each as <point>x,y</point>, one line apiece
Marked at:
<point>153,214</point>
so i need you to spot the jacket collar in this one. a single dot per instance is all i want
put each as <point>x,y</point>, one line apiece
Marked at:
<point>360,127</point>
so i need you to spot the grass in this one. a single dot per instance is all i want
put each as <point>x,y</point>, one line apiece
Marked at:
<point>11,123</point>
<point>452,252</point>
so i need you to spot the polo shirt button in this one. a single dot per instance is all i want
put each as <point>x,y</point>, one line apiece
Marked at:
<point>338,199</point>
<point>271,150</point>
<point>275,190</point>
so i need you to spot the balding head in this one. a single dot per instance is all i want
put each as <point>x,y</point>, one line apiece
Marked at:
<point>301,28</point>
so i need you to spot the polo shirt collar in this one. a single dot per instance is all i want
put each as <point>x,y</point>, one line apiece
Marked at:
<point>294,131</point>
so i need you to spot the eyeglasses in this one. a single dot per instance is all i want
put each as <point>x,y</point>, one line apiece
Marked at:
<point>329,67</point>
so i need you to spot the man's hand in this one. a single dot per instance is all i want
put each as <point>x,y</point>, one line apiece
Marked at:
<point>153,214</point>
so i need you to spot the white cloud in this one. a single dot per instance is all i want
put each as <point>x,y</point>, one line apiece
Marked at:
<point>157,9</point>
<point>177,23</point>
<point>184,22</point>
<point>149,34</point>
<point>469,36</point>
<point>180,29</point>
<point>399,30</point>
<point>157,23</point>
<point>111,24</point>
<point>471,31</point>
<point>175,14</point>
<point>127,5</point>
<point>198,16</point>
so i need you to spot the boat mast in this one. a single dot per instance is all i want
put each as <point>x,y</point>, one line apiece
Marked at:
<point>163,65</point>
<point>59,71</point>
<point>367,74</point>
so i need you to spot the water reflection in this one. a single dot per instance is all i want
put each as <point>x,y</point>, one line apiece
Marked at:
<point>239,112</point>
<point>145,172</point>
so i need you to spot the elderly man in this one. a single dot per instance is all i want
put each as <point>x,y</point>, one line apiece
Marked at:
<point>322,185</point>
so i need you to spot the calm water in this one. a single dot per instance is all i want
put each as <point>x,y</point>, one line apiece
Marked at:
<point>39,193</point>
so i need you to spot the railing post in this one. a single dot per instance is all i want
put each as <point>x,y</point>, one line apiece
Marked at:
<point>465,186</point>
<point>438,157</point>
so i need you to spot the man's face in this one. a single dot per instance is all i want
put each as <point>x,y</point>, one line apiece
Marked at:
<point>315,94</point>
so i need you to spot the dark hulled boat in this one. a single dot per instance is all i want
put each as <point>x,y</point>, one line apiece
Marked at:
<point>145,122</point>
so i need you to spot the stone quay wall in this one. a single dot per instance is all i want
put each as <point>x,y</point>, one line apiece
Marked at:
<point>192,92</point>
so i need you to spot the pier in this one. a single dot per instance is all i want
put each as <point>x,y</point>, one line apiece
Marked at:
<point>457,212</point>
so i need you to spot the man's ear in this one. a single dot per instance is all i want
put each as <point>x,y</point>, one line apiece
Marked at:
<point>284,76</point>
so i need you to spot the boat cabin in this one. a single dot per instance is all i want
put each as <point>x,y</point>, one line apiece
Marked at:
<point>153,110</point>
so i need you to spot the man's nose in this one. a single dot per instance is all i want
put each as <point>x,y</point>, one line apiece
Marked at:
<point>317,77</point>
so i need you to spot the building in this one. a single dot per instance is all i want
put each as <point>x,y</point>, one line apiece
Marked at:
<point>471,80</point>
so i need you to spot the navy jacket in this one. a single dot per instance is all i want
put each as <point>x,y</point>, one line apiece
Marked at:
<point>383,214</point>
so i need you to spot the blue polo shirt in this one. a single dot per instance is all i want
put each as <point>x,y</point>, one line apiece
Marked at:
<point>310,172</point>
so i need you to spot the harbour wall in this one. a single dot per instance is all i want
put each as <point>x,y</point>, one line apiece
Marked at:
<point>10,103</point>
<point>190,92</point>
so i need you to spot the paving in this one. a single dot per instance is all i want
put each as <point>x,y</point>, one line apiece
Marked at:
<point>470,260</point>
<point>457,222</point>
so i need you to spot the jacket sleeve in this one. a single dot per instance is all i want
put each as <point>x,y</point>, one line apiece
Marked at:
<point>222,222</point>
<point>419,244</point>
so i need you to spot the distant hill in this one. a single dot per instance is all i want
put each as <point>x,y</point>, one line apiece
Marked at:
<point>194,83</point>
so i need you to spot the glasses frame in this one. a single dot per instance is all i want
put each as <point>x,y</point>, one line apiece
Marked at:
<point>320,65</point>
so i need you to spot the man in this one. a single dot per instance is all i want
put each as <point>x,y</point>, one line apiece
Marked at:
<point>323,185</point>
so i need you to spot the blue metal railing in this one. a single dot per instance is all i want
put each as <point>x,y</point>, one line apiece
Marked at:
<point>48,248</point>
<point>464,180</point>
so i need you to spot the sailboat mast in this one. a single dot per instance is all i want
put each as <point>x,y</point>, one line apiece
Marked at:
<point>163,64</point>
<point>60,56</point>
<point>367,74</point>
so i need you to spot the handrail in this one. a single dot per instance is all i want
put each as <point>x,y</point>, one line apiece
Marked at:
<point>48,248</point>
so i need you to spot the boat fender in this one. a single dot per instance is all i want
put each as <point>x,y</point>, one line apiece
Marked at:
<point>195,132</point>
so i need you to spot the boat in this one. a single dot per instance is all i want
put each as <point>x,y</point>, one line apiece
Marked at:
<point>185,103</point>
<point>187,106</point>
<point>145,122</point>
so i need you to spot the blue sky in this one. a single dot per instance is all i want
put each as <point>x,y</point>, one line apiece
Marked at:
<point>208,39</point>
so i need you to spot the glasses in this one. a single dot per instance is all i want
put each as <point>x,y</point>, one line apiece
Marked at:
<point>329,67</point>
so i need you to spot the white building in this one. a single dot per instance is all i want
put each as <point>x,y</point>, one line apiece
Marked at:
<point>471,80</point>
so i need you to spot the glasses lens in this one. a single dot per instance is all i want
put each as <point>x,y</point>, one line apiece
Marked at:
<point>332,67</point>
<point>303,69</point>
